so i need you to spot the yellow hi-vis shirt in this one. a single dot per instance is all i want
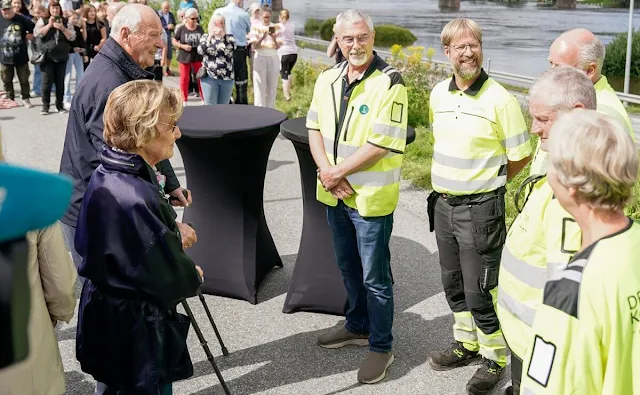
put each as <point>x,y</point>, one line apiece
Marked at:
<point>587,331</point>
<point>476,133</point>
<point>539,244</point>
<point>370,110</point>
<point>609,104</point>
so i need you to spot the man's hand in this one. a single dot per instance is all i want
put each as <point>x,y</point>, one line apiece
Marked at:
<point>343,190</point>
<point>189,237</point>
<point>182,201</point>
<point>329,177</point>
<point>170,26</point>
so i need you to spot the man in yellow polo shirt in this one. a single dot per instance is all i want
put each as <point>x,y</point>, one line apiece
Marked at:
<point>581,49</point>
<point>357,125</point>
<point>481,141</point>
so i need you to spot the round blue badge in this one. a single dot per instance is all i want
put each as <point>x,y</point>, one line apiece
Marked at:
<point>364,109</point>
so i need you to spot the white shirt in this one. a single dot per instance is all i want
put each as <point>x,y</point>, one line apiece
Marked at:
<point>66,5</point>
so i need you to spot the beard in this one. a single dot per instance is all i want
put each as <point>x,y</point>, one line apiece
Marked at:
<point>358,58</point>
<point>467,71</point>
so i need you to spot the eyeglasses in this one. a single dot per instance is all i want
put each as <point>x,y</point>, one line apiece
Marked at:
<point>194,19</point>
<point>348,40</point>
<point>173,126</point>
<point>463,48</point>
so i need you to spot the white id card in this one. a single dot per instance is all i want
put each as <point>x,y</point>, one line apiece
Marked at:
<point>541,361</point>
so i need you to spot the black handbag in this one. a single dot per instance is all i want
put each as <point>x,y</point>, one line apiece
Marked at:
<point>37,54</point>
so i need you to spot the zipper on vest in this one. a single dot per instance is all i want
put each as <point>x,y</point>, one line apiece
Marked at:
<point>346,127</point>
<point>118,161</point>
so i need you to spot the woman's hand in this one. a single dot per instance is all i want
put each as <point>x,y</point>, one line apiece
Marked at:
<point>189,237</point>
<point>199,269</point>
<point>58,25</point>
<point>187,48</point>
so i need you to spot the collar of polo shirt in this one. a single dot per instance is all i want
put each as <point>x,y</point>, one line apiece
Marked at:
<point>473,89</point>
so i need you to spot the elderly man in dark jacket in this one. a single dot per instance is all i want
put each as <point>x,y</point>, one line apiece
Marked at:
<point>123,58</point>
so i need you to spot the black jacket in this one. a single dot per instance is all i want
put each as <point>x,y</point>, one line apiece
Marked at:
<point>129,334</point>
<point>111,68</point>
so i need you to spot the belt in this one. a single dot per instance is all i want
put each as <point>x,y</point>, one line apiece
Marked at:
<point>475,198</point>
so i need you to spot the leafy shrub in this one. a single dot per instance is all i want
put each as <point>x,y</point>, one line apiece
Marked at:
<point>420,75</point>
<point>312,26</point>
<point>388,35</point>
<point>326,29</point>
<point>616,56</point>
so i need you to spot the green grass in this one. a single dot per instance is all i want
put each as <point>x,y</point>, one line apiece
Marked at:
<point>633,109</point>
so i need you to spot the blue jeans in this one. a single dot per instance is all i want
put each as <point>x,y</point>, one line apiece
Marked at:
<point>363,256</point>
<point>75,61</point>
<point>216,91</point>
<point>37,80</point>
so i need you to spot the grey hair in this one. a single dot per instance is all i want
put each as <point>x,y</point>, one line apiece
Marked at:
<point>562,87</point>
<point>352,16</point>
<point>590,152</point>
<point>591,52</point>
<point>191,12</point>
<point>130,17</point>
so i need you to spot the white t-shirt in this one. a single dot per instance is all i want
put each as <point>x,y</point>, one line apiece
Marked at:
<point>163,36</point>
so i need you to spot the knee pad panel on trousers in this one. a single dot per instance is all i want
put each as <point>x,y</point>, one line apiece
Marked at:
<point>483,311</point>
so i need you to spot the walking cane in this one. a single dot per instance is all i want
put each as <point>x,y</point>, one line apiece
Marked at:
<point>205,346</point>
<point>225,352</point>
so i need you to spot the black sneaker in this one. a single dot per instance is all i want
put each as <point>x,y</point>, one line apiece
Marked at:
<point>485,378</point>
<point>509,390</point>
<point>452,358</point>
<point>45,111</point>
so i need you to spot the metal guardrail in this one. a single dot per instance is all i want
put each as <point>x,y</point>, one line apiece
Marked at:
<point>499,75</point>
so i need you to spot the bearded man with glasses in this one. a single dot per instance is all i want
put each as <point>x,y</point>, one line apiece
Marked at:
<point>480,142</point>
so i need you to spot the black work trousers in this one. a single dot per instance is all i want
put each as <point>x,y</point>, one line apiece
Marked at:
<point>241,75</point>
<point>53,73</point>
<point>8,71</point>
<point>470,237</point>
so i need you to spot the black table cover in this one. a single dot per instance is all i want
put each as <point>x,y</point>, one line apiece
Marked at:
<point>225,149</point>
<point>316,284</point>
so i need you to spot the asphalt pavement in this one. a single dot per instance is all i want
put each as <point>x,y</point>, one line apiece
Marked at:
<point>272,352</point>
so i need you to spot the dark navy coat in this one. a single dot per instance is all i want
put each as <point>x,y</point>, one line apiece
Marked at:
<point>130,336</point>
<point>83,141</point>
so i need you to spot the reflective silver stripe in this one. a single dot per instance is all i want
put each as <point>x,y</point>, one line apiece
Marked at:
<point>344,151</point>
<point>525,313</point>
<point>312,116</point>
<point>462,336</point>
<point>535,277</point>
<point>553,268</point>
<point>391,131</point>
<point>374,178</point>
<point>515,141</point>
<point>389,70</point>
<point>462,163</point>
<point>469,186</point>
<point>579,262</point>
<point>527,391</point>
<point>569,275</point>
<point>386,68</point>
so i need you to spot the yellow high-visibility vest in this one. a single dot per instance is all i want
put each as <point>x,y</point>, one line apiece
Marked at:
<point>374,112</point>
<point>539,244</point>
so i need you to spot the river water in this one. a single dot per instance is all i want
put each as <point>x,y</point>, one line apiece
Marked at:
<point>516,36</point>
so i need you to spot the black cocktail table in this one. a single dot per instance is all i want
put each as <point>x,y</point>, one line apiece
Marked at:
<point>225,149</point>
<point>316,284</point>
